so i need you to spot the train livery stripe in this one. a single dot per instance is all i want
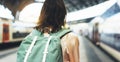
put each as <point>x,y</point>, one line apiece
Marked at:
<point>111,51</point>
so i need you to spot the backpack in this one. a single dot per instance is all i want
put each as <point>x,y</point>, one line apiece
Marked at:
<point>37,48</point>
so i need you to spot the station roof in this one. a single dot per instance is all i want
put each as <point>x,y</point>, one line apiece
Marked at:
<point>71,5</point>
<point>90,12</point>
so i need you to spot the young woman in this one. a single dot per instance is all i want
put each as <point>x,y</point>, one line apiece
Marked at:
<point>52,20</point>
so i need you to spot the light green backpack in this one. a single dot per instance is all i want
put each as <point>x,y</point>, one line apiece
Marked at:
<point>37,48</point>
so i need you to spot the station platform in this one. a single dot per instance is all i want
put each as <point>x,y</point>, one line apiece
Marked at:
<point>90,53</point>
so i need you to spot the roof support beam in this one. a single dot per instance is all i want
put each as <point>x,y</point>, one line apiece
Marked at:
<point>73,4</point>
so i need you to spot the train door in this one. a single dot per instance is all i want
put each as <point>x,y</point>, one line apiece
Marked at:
<point>5,33</point>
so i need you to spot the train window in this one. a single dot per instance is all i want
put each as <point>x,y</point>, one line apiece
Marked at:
<point>5,30</point>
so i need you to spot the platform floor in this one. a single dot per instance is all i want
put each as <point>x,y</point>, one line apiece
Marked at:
<point>9,55</point>
<point>91,53</point>
<point>88,53</point>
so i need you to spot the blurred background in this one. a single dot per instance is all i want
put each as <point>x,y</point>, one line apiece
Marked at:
<point>96,22</point>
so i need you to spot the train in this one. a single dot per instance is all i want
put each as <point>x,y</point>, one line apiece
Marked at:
<point>104,31</point>
<point>106,34</point>
<point>13,31</point>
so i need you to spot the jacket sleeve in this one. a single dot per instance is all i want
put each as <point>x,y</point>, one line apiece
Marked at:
<point>70,48</point>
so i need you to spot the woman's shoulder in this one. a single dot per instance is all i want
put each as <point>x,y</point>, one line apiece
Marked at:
<point>71,35</point>
<point>71,38</point>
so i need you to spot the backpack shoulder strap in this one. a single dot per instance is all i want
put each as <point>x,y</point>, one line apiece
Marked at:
<point>30,49</point>
<point>63,32</point>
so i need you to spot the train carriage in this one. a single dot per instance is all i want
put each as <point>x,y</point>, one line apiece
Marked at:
<point>13,32</point>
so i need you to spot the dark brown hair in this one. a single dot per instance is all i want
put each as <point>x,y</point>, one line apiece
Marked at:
<point>52,15</point>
